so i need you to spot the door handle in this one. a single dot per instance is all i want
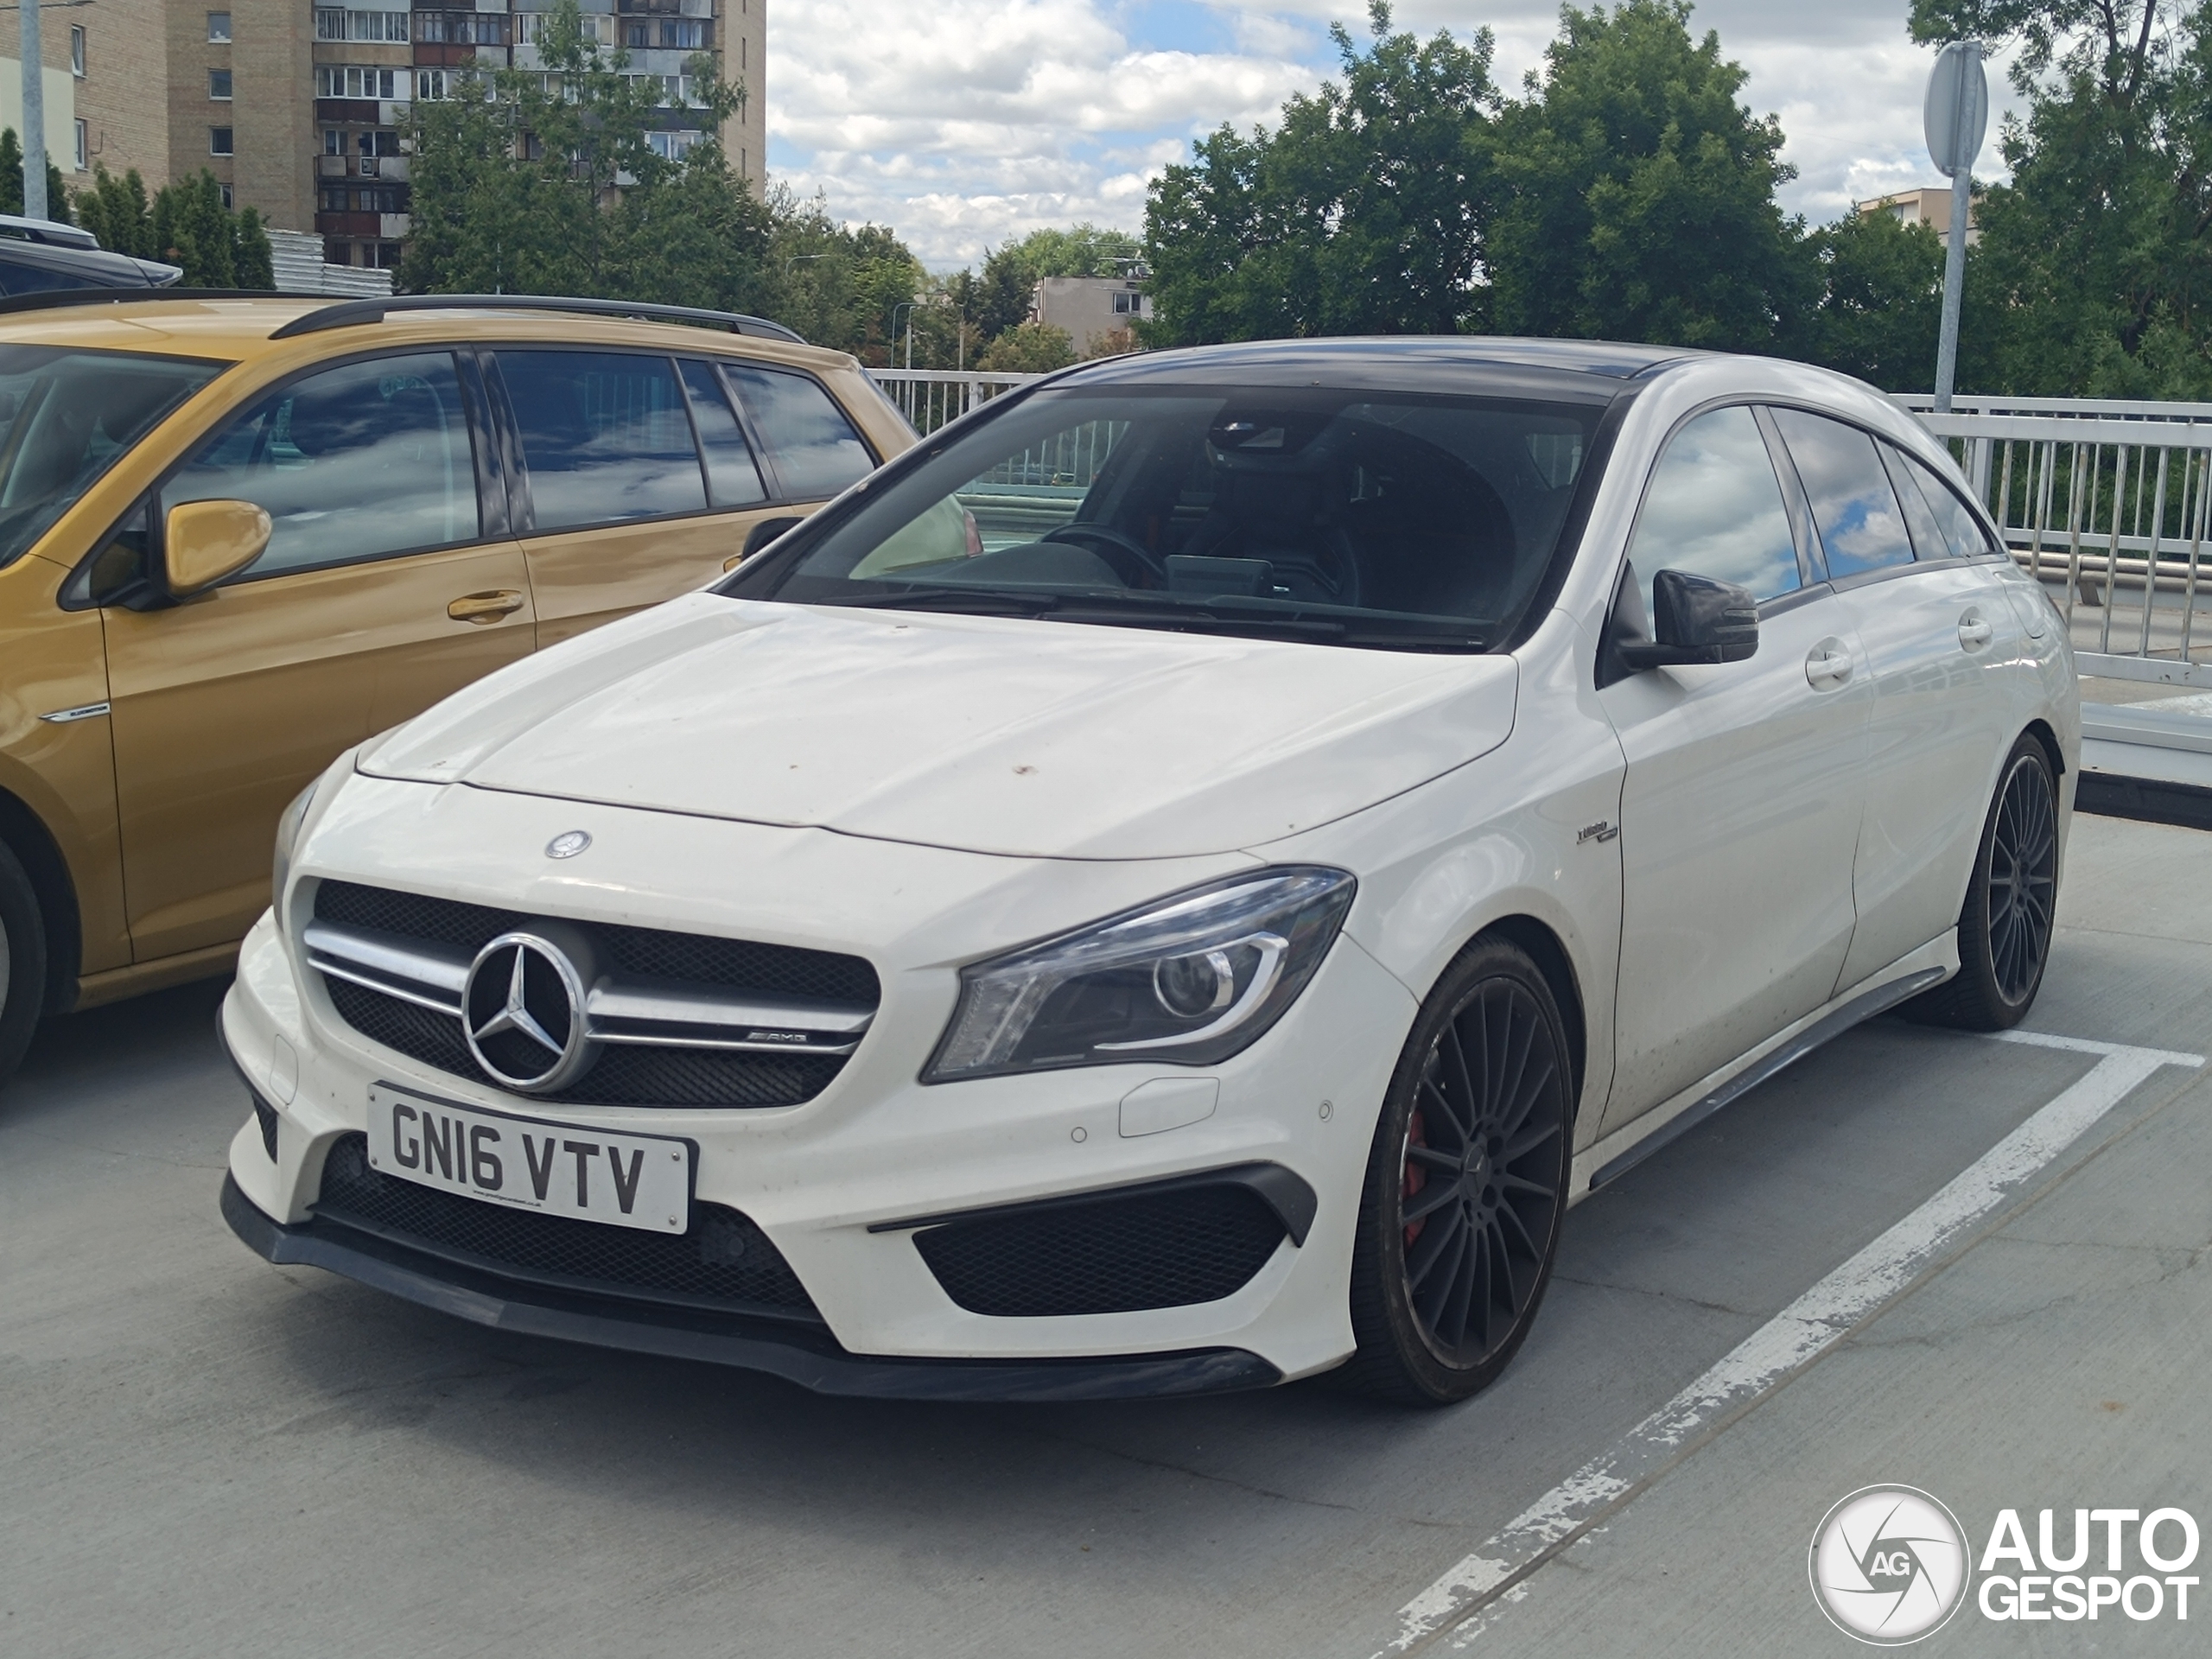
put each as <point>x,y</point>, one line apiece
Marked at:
<point>1974,631</point>
<point>1828,666</point>
<point>482,608</point>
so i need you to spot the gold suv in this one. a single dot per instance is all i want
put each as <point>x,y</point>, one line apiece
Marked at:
<point>237,536</point>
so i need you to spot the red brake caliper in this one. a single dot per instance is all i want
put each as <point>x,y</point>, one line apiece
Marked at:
<point>1416,1177</point>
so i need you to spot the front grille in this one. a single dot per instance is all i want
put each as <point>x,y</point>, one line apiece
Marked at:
<point>1105,1256</point>
<point>724,1262</point>
<point>737,964</point>
<point>623,1075</point>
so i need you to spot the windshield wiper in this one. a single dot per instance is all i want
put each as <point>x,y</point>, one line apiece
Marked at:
<point>1135,608</point>
<point>977,601</point>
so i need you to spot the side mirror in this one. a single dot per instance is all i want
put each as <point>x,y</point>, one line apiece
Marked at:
<point>761,534</point>
<point>203,541</point>
<point>1694,619</point>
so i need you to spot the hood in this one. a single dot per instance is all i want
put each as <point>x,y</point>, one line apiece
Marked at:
<point>987,734</point>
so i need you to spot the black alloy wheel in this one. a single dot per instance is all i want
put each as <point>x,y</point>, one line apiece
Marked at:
<point>2005,929</point>
<point>1466,1185</point>
<point>23,961</point>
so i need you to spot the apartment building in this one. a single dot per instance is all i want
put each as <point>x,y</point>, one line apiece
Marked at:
<point>1929,205</point>
<point>61,86</point>
<point>300,110</point>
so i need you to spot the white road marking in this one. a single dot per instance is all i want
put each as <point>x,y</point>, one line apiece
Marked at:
<point>1792,1338</point>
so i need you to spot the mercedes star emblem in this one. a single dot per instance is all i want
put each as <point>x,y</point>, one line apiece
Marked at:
<point>567,844</point>
<point>523,1009</point>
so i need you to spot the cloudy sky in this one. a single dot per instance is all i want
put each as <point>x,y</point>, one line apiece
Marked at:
<point>965,123</point>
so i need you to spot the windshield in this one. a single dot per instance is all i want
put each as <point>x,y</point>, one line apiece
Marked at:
<point>64,416</point>
<point>1347,517</point>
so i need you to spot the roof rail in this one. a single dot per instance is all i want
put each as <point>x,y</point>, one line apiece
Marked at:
<point>347,313</point>
<point>53,298</point>
<point>50,231</point>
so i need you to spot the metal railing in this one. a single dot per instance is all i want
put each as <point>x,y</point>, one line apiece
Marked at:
<point>931,397</point>
<point>2110,505</point>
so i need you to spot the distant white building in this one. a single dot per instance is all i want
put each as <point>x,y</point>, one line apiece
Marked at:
<point>1090,307</point>
<point>1929,205</point>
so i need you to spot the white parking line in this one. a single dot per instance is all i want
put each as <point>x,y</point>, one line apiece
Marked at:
<point>1790,1340</point>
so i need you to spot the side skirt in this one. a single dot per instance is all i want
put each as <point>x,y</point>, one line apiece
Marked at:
<point>1611,1158</point>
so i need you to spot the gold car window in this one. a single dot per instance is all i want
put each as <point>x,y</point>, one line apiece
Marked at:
<point>605,435</point>
<point>361,462</point>
<point>64,418</point>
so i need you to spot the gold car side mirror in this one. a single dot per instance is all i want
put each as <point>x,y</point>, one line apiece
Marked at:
<point>206,541</point>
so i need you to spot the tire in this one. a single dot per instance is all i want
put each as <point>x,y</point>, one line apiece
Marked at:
<point>2005,930</point>
<point>1489,1053</point>
<point>22,962</point>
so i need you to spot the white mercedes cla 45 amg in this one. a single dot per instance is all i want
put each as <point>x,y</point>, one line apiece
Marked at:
<point>1177,883</point>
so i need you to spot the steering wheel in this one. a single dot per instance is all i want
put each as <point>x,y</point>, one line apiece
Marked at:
<point>1112,540</point>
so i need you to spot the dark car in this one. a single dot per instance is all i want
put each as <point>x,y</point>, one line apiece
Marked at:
<point>37,254</point>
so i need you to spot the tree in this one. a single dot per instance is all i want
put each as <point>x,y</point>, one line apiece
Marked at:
<point>1881,299</point>
<point>1637,196</point>
<point>184,224</point>
<point>549,181</point>
<point>11,180</point>
<point>2096,256</point>
<point>1029,349</point>
<point>1363,212</point>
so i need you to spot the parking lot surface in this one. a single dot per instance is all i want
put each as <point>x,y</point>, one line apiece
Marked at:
<point>203,1454</point>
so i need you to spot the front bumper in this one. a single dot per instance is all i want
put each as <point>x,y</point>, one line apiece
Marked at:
<point>840,1184</point>
<point>812,1359</point>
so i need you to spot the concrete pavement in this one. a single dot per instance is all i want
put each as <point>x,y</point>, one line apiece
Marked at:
<point>203,1454</point>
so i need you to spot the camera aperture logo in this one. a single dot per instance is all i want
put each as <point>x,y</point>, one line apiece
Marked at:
<point>1889,1565</point>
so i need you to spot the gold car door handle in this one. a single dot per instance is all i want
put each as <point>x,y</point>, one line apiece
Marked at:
<point>480,608</point>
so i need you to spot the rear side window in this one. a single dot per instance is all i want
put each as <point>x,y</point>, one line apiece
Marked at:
<point>732,478</point>
<point>816,451</point>
<point>1963,535</point>
<point>22,276</point>
<point>1714,508</point>
<point>605,436</point>
<point>362,462</point>
<point>64,416</point>
<point>1854,510</point>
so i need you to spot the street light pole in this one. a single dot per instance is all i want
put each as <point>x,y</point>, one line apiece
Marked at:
<point>34,202</point>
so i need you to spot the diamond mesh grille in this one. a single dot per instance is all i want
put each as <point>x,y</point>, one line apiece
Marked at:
<point>724,1262</point>
<point>623,1076</point>
<point>1112,1255</point>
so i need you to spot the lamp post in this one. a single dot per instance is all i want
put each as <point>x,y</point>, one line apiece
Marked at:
<point>34,202</point>
<point>1955,118</point>
<point>907,306</point>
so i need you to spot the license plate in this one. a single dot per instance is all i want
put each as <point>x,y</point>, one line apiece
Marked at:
<point>556,1169</point>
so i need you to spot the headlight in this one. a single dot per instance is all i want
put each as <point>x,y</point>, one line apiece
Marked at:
<point>1189,980</point>
<point>288,832</point>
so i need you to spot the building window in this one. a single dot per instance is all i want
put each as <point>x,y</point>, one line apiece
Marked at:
<point>226,189</point>
<point>333,24</point>
<point>77,50</point>
<point>387,255</point>
<point>430,85</point>
<point>377,143</point>
<point>219,140</point>
<point>219,85</point>
<point>219,27</point>
<point>84,147</point>
<point>334,81</point>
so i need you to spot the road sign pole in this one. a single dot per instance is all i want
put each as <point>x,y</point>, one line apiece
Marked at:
<point>34,202</point>
<point>1957,114</point>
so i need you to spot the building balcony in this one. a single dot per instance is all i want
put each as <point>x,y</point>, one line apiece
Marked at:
<point>392,168</point>
<point>349,223</point>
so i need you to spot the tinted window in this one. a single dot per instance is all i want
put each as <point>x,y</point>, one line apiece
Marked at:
<point>732,479</point>
<point>359,462</point>
<point>22,276</point>
<point>1332,515</point>
<point>605,435</point>
<point>1714,509</point>
<point>1963,535</point>
<point>64,416</point>
<point>1928,541</point>
<point>1853,508</point>
<point>816,450</point>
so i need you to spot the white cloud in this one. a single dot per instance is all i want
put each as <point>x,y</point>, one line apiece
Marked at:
<point>966,122</point>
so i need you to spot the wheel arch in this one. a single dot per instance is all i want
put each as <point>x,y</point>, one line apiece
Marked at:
<point>1549,951</point>
<point>2040,729</point>
<point>34,848</point>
